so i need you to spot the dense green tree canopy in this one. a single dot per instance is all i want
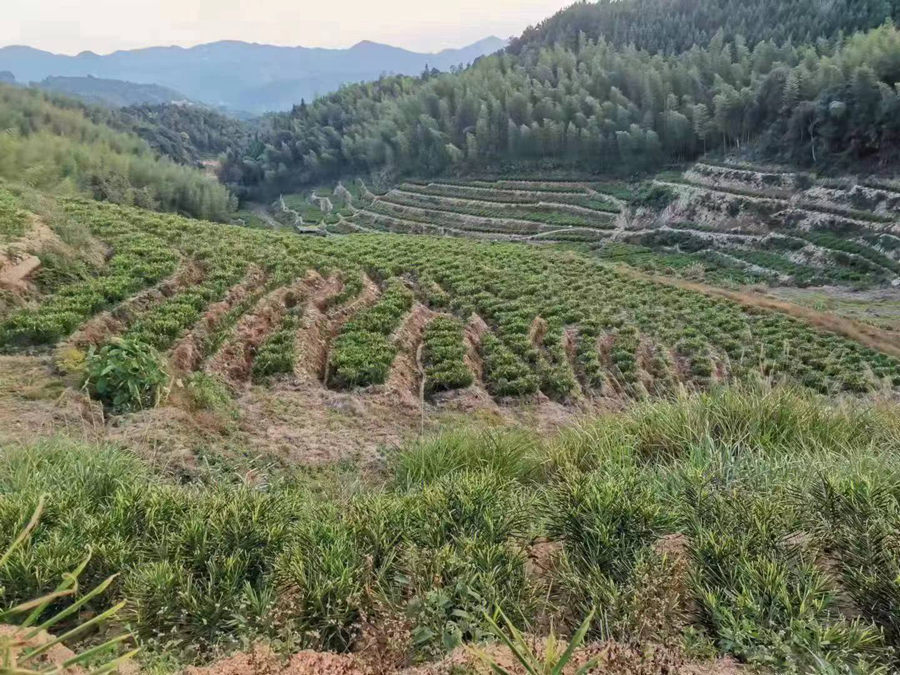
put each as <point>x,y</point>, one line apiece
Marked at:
<point>52,144</point>
<point>674,26</point>
<point>595,106</point>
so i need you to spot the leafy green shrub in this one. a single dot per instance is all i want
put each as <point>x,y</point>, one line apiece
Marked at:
<point>126,375</point>
<point>653,196</point>
<point>444,354</point>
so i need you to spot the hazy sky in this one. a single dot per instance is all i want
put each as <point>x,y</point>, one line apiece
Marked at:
<point>71,26</point>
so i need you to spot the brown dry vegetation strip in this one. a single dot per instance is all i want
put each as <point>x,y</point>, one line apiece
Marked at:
<point>870,336</point>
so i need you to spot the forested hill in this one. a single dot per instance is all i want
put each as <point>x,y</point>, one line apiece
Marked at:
<point>113,93</point>
<point>188,134</point>
<point>601,107</point>
<point>53,144</point>
<point>673,26</point>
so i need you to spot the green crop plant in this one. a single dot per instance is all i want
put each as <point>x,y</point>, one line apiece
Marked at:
<point>126,374</point>
<point>363,353</point>
<point>506,285</point>
<point>444,355</point>
<point>276,356</point>
<point>27,649</point>
<point>13,219</point>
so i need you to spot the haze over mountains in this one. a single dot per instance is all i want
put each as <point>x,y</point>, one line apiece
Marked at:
<point>238,75</point>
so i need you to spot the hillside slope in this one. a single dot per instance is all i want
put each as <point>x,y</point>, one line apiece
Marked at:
<point>53,144</point>
<point>261,397</point>
<point>595,108</point>
<point>113,93</point>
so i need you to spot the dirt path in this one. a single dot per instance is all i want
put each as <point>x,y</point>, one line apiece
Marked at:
<point>875,338</point>
<point>234,361</point>
<point>405,376</point>
<point>311,343</point>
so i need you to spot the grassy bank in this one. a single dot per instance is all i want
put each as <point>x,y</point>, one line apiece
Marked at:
<point>753,522</point>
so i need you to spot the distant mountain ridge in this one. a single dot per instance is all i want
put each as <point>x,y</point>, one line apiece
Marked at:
<point>240,75</point>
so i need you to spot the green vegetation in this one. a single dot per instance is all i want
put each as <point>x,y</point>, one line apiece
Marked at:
<point>31,647</point>
<point>139,261</point>
<point>507,285</point>
<point>701,266</point>
<point>599,107</point>
<point>52,144</point>
<point>13,219</point>
<point>693,502</point>
<point>126,375</point>
<point>444,355</point>
<point>277,354</point>
<point>363,352</point>
<point>665,26</point>
<point>188,134</point>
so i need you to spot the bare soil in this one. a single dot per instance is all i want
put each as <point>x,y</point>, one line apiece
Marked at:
<point>613,657</point>
<point>187,354</point>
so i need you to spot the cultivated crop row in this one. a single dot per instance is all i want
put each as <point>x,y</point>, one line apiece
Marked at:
<point>557,322</point>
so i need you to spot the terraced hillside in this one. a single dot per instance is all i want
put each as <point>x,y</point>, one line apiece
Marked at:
<point>409,317</point>
<point>724,223</point>
<point>508,210</point>
<point>781,226</point>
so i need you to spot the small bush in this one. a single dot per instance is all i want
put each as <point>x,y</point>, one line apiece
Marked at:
<point>444,354</point>
<point>207,392</point>
<point>126,375</point>
<point>277,354</point>
<point>654,197</point>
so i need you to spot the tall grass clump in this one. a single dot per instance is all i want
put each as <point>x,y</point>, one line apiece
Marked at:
<point>28,646</point>
<point>760,522</point>
<point>509,454</point>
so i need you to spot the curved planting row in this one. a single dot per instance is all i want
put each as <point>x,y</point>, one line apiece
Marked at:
<point>556,322</point>
<point>139,260</point>
<point>537,212</point>
<point>513,196</point>
<point>362,354</point>
<point>444,354</point>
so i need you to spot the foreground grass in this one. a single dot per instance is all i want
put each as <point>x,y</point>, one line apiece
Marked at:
<point>756,522</point>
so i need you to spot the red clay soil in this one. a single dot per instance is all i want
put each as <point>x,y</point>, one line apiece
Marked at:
<point>52,659</point>
<point>614,658</point>
<point>19,259</point>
